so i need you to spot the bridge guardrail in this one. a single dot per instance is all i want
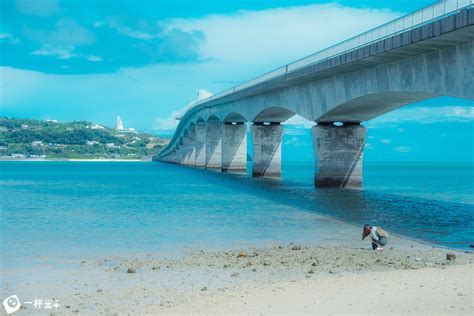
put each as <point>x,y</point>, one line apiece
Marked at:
<point>402,24</point>
<point>399,25</point>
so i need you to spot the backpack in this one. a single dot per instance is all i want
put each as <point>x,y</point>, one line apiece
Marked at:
<point>381,232</point>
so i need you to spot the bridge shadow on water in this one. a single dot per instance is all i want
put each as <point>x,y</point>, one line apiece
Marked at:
<point>436,221</point>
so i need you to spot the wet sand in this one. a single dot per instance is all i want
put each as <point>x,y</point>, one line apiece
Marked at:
<point>287,278</point>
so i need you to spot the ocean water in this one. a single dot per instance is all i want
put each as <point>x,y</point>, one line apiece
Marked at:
<point>70,209</point>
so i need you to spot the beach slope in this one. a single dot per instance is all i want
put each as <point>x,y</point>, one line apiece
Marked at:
<point>428,291</point>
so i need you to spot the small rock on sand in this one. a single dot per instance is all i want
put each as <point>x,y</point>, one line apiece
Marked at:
<point>450,256</point>
<point>131,270</point>
<point>241,254</point>
<point>296,248</point>
<point>235,274</point>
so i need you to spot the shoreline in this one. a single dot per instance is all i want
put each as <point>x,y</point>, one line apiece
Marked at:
<point>75,160</point>
<point>230,280</point>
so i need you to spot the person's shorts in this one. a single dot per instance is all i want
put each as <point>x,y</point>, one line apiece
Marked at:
<point>382,242</point>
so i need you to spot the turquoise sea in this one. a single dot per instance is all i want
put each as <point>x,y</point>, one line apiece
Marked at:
<point>71,208</point>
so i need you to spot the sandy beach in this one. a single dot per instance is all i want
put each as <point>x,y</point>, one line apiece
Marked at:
<point>409,278</point>
<point>415,292</point>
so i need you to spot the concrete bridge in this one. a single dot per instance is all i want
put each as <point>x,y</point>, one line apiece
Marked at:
<point>422,55</point>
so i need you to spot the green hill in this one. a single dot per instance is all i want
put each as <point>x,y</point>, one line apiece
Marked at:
<point>24,138</point>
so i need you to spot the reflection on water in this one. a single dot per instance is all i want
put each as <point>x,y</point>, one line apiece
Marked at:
<point>67,208</point>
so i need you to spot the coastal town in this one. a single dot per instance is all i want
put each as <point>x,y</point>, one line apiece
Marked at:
<point>27,139</point>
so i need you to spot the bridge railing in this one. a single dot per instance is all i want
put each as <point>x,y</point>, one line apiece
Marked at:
<point>402,24</point>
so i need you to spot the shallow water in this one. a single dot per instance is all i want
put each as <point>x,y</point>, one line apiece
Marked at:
<point>69,209</point>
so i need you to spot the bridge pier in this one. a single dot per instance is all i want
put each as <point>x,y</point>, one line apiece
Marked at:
<point>192,147</point>
<point>234,147</point>
<point>185,152</point>
<point>266,141</point>
<point>214,145</point>
<point>181,151</point>
<point>200,145</point>
<point>339,151</point>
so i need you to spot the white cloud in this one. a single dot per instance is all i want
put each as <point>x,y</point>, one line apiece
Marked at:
<point>94,58</point>
<point>121,27</point>
<point>425,115</point>
<point>402,149</point>
<point>299,121</point>
<point>170,122</point>
<point>64,52</point>
<point>261,37</point>
<point>291,141</point>
<point>386,141</point>
<point>9,37</point>
<point>66,32</point>
<point>59,51</point>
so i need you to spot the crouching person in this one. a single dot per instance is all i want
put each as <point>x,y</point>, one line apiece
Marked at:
<point>378,236</point>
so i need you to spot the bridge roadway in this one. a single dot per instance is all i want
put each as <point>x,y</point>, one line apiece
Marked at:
<point>422,55</point>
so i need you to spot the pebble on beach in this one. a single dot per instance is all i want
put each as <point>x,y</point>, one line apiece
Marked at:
<point>131,270</point>
<point>450,256</point>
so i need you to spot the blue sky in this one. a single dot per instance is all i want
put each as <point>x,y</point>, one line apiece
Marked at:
<point>146,60</point>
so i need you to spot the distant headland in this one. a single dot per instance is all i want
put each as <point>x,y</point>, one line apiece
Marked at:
<point>28,139</point>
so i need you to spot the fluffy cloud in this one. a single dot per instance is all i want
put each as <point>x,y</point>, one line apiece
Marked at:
<point>61,52</point>
<point>170,122</point>
<point>9,38</point>
<point>64,52</point>
<point>66,31</point>
<point>426,115</point>
<point>402,149</point>
<point>261,37</point>
<point>300,121</point>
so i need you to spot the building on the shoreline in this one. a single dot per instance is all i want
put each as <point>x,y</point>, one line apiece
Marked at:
<point>118,124</point>
<point>95,126</point>
<point>120,129</point>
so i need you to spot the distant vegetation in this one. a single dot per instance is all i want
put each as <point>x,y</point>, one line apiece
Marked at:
<point>23,138</point>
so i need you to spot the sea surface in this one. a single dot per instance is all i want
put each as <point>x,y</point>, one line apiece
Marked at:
<point>70,209</point>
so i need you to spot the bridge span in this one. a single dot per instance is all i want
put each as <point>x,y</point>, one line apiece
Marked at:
<point>422,55</point>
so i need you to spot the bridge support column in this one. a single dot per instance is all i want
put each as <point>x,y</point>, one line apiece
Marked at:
<point>339,151</point>
<point>200,146</point>
<point>266,141</point>
<point>181,154</point>
<point>214,145</point>
<point>191,146</point>
<point>234,147</point>
<point>176,156</point>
